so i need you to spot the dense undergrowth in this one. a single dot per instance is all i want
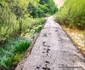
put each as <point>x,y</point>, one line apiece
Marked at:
<point>43,9</point>
<point>12,52</point>
<point>13,15</point>
<point>72,14</point>
<point>14,49</point>
<point>18,17</point>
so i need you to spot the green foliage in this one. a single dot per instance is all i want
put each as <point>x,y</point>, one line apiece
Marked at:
<point>14,15</point>
<point>17,16</point>
<point>36,29</point>
<point>32,23</point>
<point>72,13</point>
<point>35,26</point>
<point>13,51</point>
<point>8,23</point>
<point>44,7</point>
<point>43,1</point>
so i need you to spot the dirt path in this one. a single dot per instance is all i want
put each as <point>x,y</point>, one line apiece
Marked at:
<point>53,50</point>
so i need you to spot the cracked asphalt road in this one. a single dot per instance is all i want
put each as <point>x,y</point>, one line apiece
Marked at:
<point>53,50</point>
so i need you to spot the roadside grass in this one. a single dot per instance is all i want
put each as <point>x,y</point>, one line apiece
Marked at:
<point>13,30</point>
<point>12,52</point>
<point>19,18</point>
<point>34,26</point>
<point>72,14</point>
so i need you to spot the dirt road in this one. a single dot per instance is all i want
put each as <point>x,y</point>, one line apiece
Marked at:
<point>53,50</point>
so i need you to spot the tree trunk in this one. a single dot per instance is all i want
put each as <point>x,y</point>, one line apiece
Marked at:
<point>20,26</point>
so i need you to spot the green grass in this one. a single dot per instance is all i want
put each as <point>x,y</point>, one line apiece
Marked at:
<point>13,51</point>
<point>72,13</point>
<point>33,26</point>
<point>13,30</point>
<point>16,16</point>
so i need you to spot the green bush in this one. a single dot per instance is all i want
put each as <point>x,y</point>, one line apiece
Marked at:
<point>43,8</point>
<point>12,52</point>
<point>72,13</point>
<point>14,16</point>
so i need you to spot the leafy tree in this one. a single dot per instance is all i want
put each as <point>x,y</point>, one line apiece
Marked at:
<point>44,7</point>
<point>44,1</point>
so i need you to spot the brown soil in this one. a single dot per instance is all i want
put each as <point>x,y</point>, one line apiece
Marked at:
<point>77,36</point>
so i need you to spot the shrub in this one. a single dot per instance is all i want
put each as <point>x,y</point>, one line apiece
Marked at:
<point>72,13</point>
<point>13,51</point>
<point>43,8</point>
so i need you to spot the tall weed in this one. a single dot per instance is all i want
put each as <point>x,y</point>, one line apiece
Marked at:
<point>72,13</point>
<point>12,52</point>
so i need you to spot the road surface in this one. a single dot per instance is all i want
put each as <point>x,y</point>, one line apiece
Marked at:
<point>53,50</point>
